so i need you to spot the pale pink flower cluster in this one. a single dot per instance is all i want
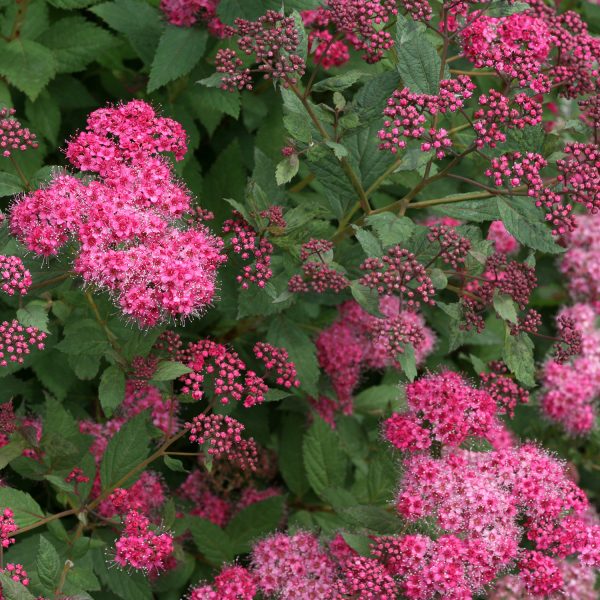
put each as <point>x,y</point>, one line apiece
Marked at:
<point>14,277</point>
<point>294,567</point>
<point>16,342</point>
<point>221,437</point>
<point>141,547</point>
<point>123,220</point>
<point>442,409</point>
<point>13,136</point>
<point>504,242</point>
<point>232,583</point>
<point>358,341</point>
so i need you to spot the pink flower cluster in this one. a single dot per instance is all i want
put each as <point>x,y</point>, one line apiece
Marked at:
<point>329,52</point>
<point>185,13</point>
<point>250,246</point>
<point>277,361</point>
<point>317,273</point>
<point>232,583</point>
<point>407,113</point>
<point>504,242</point>
<point>453,247</point>
<point>124,220</point>
<point>503,389</point>
<point>293,566</point>
<point>442,409</point>
<point>141,547</point>
<point>14,276</point>
<point>16,342</point>
<point>17,573</point>
<point>579,174</point>
<point>140,397</point>
<point>273,39</point>
<point>359,341</point>
<point>516,46</point>
<point>145,496</point>
<point>7,527</point>
<point>13,136</point>
<point>221,436</point>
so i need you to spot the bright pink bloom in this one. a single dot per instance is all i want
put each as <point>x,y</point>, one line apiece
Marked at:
<point>365,578</point>
<point>278,363</point>
<point>16,342</point>
<point>14,277</point>
<point>7,527</point>
<point>232,583</point>
<point>13,136</point>
<point>504,242</point>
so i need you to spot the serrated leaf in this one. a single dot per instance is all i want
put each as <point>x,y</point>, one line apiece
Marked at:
<point>324,460</point>
<point>254,522</point>
<point>408,363</point>
<point>477,211</point>
<point>26,510</point>
<point>518,356</point>
<point>47,564</point>
<point>12,450</point>
<point>340,82</point>
<point>27,65</point>
<point>111,390</point>
<point>339,150</point>
<point>438,278</point>
<point>13,590</point>
<point>34,315</point>
<point>369,243</point>
<point>168,370</point>
<point>126,449</point>
<point>366,297</point>
<point>391,229</point>
<point>178,52</point>
<point>45,113</point>
<point>287,169</point>
<point>212,541</point>
<point>374,518</point>
<point>505,307</point>
<point>378,399</point>
<point>9,184</point>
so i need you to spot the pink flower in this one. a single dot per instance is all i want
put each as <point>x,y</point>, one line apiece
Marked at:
<point>13,136</point>
<point>7,527</point>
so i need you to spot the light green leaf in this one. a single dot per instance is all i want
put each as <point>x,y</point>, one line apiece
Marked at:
<point>408,363</point>
<point>505,307</point>
<point>287,169</point>
<point>178,52</point>
<point>9,184</point>
<point>112,389</point>
<point>518,356</point>
<point>34,315</point>
<point>26,510</point>
<point>169,370</point>
<point>391,229</point>
<point>370,244</point>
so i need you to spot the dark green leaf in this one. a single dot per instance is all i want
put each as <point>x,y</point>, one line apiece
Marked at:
<point>168,370</point>
<point>254,522</point>
<point>112,389</point>
<point>10,184</point>
<point>47,564</point>
<point>518,356</point>
<point>212,541</point>
<point>408,363</point>
<point>26,510</point>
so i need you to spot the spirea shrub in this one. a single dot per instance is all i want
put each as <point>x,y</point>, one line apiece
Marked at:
<point>299,300</point>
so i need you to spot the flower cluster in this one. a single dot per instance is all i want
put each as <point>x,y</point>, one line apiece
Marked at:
<point>442,409</point>
<point>145,496</point>
<point>251,248</point>
<point>399,274</point>
<point>453,247</point>
<point>7,527</point>
<point>16,342</point>
<point>13,136</point>
<point>407,112</point>
<point>329,52</point>
<point>185,13</point>
<point>232,583</point>
<point>317,273</point>
<point>504,242</point>
<point>15,277</point>
<point>221,436</point>
<point>503,389</point>
<point>277,362</point>
<point>140,547</point>
<point>123,221</point>
<point>273,39</point>
<point>579,174</point>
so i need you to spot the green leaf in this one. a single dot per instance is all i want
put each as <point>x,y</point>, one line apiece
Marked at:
<point>418,60</point>
<point>290,449</point>
<point>26,510</point>
<point>212,541</point>
<point>360,543</point>
<point>178,52</point>
<point>141,23</point>
<point>370,244</point>
<point>254,522</point>
<point>9,184</point>
<point>374,518</point>
<point>408,363</point>
<point>339,150</point>
<point>34,315</point>
<point>12,450</point>
<point>477,211</point>
<point>324,459</point>
<point>47,564</point>
<point>438,278</point>
<point>370,100</point>
<point>518,356</point>
<point>519,223</point>
<point>76,42</point>
<point>505,307</point>
<point>366,297</point>
<point>391,229</point>
<point>174,464</point>
<point>229,10</point>
<point>127,449</point>
<point>378,399</point>
<point>27,65</point>
<point>45,113</point>
<point>340,82</point>
<point>13,590</point>
<point>287,169</point>
<point>169,370</point>
<point>124,584</point>
<point>111,390</point>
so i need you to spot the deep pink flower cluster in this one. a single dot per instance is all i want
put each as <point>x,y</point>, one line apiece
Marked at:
<point>359,20</point>
<point>14,277</point>
<point>329,52</point>
<point>76,476</point>
<point>443,409</point>
<point>13,136</point>
<point>407,112</point>
<point>8,422</point>
<point>516,46</point>
<point>141,547</point>
<point>571,389</point>
<point>124,220</point>
<point>503,389</point>
<point>579,174</point>
<point>205,503</point>
<point>514,169</point>
<point>497,112</point>
<point>7,527</point>
<point>359,341</point>
<point>399,273</point>
<point>365,578</point>
<point>16,342</point>
<point>317,273</point>
<point>453,247</point>
<point>185,13</point>
<point>221,369</point>
<point>570,339</point>
<point>252,248</point>
<point>273,39</point>
<point>232,583</point>
<point>221,436</point>
<point>145,496</point>
<point>293,566</point>
<point>590,114</point>
<point>504,242</point>
<point>140,397</point>
<point>277,361</point>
